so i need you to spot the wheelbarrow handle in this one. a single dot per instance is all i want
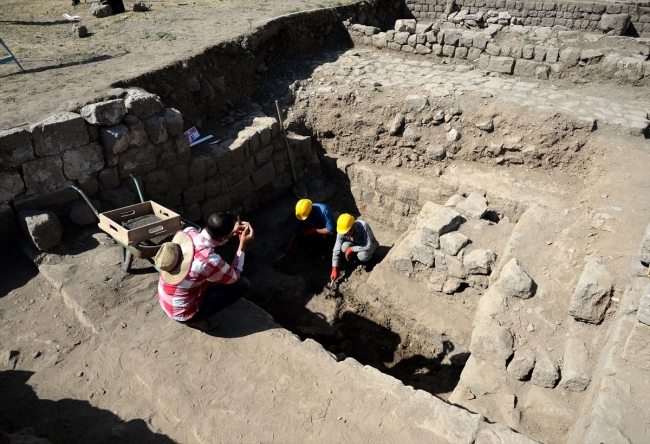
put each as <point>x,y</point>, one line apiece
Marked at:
<point>92,207</point>
<point>137,186</point>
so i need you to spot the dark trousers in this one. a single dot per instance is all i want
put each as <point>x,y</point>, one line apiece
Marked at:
<point>218,297</point>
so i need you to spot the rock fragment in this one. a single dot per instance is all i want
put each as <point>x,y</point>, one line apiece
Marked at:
<point>447,220</point>
<point>514,281</point>
<point>42,227</point>
<point>643,313</point>
<point>575,374</point>
<point>452,243</point>
<point>397,125</point>
<point>545,373</point>
<point>486,125</point>
<point>521,364</point>
<point>479,261</point>
<point>591,296</point>
<point>106,113</point>
<point>474,207</point>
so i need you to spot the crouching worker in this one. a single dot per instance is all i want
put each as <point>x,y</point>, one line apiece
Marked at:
<point>353,237</point>
<point>195,282</point>
<point>315,223</point>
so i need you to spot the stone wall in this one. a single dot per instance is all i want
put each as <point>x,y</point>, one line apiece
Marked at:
<point>572,15</point>
<point>134,133</point>
<point>526,60</point>
<point>395,199</point>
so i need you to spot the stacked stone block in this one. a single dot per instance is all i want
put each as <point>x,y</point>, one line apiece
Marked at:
<point>98,149</point>
<point>536,61</point>
<point>579,16</point>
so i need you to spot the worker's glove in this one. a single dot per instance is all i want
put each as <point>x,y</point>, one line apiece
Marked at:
<point>288,247</point>
<point>335,273</point>
<point>310,231</point>
<point>348,252</point>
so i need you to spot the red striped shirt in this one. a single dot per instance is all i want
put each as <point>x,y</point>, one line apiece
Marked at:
<point>181,301</point>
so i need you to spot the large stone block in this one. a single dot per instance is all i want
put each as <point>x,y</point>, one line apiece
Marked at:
<point>44,176</point>
<point>157,183</point>
<point>614,24</point>
<point>58,133</point>
<point>591,296</point>
<point>407,192</point>
<point>492,343</point>
<point>405,25</point>
<point>173,122</point>
<point>80,163</point>
<point>479,261</point>
<point>501,64</point>
<point>156,129</point>
<point>252,133</point>
<point>241,189</point>
<point>11,184</point>
<point>575,372</point>
<point>522,363</point>
<point>166,155</point>
<point>137,134</point>
<point>420,252</point>
<point>142,104</point>
<point>264,155</point>
<point>115,139</point>
<point>400,258</point>
<point>474,206</point>
<point>446,221</point>
<point>263,175</point>
<point>106,113</point>
<point>137,161</point>
<point>194,193</point>
<point>569,57</point>
<point>42,227</point>
<point>514,281</point>
<point>525,68</point>
<point>15,148</point>
<point>268,122</point>
<point>452,243</point>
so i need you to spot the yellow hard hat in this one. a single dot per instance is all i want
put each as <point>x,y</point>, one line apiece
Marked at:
<point>303,208</point>
<point>344,223</point>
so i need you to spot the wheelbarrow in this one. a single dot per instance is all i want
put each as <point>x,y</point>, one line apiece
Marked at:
<point>138,241</point>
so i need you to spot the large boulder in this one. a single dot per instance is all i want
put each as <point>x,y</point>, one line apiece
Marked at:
<point>591,296</point>
<point>104,113</point>
<point>614,24</point>
<point>42,227</point>
<point>81,214</point>
<point>405,25</point>
<point>80,163</point>
<point>452,243</point>
<point>514,281</point>
<point>11,184</point>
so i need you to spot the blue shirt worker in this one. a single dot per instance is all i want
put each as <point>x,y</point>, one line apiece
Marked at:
<point>314,221</point>
<point>353,237</point>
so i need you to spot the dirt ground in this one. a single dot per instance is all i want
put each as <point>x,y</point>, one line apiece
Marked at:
<point>117,47</point>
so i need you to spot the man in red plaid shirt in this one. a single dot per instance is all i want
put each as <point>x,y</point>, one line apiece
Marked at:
<point>191,284</point>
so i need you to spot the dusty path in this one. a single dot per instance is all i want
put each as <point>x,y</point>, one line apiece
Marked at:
<point>62,70</point>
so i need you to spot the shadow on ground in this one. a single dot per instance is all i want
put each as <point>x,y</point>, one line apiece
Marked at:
<point>16,269</point>
<point>66,420</point>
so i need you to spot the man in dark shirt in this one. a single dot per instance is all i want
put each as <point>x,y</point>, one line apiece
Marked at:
<point>315,223</point>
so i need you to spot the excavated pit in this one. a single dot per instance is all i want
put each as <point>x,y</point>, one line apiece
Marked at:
<point>526,169</point>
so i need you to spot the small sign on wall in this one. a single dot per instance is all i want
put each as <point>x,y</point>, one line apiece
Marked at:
<point>192,134</point>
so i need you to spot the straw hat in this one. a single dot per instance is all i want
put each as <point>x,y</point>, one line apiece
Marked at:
<point>175,258</point>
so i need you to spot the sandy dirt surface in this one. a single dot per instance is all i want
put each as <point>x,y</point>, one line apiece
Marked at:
<point>62,70</point>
